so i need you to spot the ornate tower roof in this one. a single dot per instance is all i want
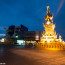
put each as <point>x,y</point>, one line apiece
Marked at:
<point>48,16</point>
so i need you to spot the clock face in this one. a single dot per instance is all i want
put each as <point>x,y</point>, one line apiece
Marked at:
<point>48,23</point>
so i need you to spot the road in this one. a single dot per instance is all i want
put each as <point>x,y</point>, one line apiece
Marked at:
<point>30,56</point>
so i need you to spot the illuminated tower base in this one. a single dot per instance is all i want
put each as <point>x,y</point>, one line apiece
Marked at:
<point>49,38</point>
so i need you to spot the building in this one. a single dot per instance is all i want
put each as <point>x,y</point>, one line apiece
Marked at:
<point>32,36</point>
<point>21,34</point>
<point>16,33</point>
<point>49,39</point>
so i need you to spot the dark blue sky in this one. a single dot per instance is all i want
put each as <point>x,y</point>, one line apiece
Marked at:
<point>31,14</point>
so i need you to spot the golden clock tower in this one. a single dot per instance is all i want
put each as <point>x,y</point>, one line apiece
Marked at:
<point>49,33</point>
<point>49,38</point>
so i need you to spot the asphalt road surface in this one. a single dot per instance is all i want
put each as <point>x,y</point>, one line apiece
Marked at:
<point>30,56</point>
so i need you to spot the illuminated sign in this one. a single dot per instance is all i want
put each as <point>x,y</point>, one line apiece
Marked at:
<point>21,42</point>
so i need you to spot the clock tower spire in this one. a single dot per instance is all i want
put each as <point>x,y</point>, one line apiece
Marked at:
<point>48,12</point>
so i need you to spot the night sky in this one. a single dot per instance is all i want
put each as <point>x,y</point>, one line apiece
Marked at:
<point>31,14</point>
